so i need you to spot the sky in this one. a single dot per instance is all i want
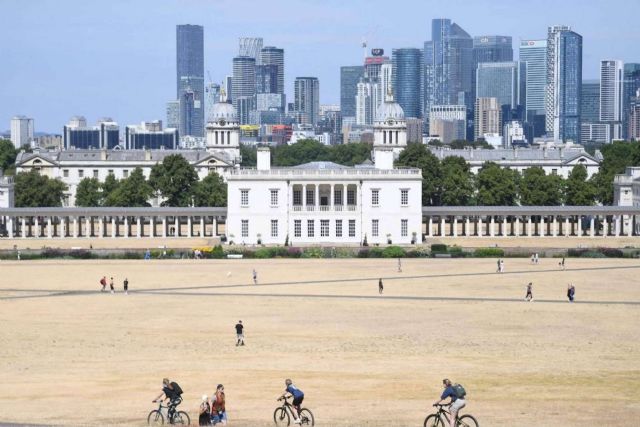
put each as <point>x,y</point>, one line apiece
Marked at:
<point>116,58</point>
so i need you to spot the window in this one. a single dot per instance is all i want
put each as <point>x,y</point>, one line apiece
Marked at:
<point>65,173</point>
<point>125,173</point>
<point>245,228</point>
<point>351,197</point>
<point>374,227</point>
<point>297,228</point>
<point>244,197</point>
<point>337,197</point>
<point>554,171</point>
<point>274,197</point>
<point>297,197</point>
<point>274,228</point>
<point>404,197</point>
<point>324,228</point>
<point>338,228</point>
<point>352,228</point>
<point>110,171</point>
<point>95,173</point>
<point>80,173</point>
<point>404,227</point>
<point>310,228</point>
<point>375,197</point>
<point>310,198</point>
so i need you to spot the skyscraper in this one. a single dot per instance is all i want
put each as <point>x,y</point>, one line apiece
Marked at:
<point>190,77</point>
<point>349,78</point>
<point>173,114</point>
<point>267,78</point>
<point>407,80</point>
<point>490,49</point>
<point>212,97</point>
<point>21,131</point>
<point>488,117</point>
<point>452,64</point>
<point>550,96</point>
<point>611,95</point>
<point>274,56</point>
<point>427,83</point>
<point>590,100</point>
<point>243,85</point>
<point>251,46</point>
<point>534,54</point>
<point>502,80</point>
<point>307,99</point>
<point>630,87</point>
<point>566,85</point>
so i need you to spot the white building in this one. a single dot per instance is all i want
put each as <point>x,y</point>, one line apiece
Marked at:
<point>223,131</point>
<point>611,95</point>
<point>7,196</point>
<point>626,187</point>
<point>390,126</point>
<point>324,203</point>
<point>513,133</point>
<point>21,131</point>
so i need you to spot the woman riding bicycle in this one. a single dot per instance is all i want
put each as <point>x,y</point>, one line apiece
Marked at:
<point>456,402</point>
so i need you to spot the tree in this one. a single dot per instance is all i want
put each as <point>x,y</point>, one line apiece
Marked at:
<point>109,185</point>
<point>88,193</point>
<point>133,191</point>
<point>539,189</point>
<point>497,186</point>
<point>174,179</point>
<point>8,154</point>
<point>210,192</point>
<point>249,155</point>
<point>349,154</point>
<point>461,143</point>
<point>616,157</point>
<point>418,156</point>
<point>303,151</point>
<point>37,191</point>
<point>579,190</point>
<point>457,182</point>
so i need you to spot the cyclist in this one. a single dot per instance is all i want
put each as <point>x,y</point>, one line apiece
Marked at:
<point>172,392</point>
<point>456,402</point>
<point>298,397</point>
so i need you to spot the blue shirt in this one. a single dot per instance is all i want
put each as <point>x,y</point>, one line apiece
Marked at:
<point>295,391</point>
<point>449,392</point>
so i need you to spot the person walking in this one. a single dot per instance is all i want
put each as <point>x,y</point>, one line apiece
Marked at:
<point>103,282</point>
<point>561,264</point>
<point>502,266</point>
<point>255,277</point>
<point>239,333</point>
<point>380,286</point>
<point>218,407</point>
<point>529,296</point>
<point>571,292</point>
<point>126,286</point>
<point>498,269</point>
<point>399,265</point>
<point>536,258</point>
<point>113,289</point>
<point>205,412</point>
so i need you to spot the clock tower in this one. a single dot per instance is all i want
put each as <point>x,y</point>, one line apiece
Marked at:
<point>223,130</point>
<point>390,126</point>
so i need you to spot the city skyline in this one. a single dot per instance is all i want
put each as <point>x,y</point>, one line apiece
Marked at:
<point>51,71</point>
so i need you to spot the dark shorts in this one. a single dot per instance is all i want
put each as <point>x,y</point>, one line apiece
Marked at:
<point>297,401</point>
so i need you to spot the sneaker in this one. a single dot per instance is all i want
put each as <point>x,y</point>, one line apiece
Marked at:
<point>242,344</point>
<point>297,421</point>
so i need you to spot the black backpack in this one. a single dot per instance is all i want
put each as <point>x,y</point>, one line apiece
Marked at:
<point>459,390</point>
<point>176,388</point>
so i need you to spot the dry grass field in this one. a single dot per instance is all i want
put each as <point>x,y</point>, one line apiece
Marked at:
<point>71,355</point>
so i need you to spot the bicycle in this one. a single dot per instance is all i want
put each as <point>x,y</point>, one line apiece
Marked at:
<point>282,418</point>
<point>156,418</point>
<point>435,420</point>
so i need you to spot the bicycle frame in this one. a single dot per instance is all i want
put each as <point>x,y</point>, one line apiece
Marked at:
<point>288,406</point>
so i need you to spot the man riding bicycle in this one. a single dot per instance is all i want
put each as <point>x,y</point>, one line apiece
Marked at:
<point>298,397</point>
<point>457,402</point>
<point>172,392</point>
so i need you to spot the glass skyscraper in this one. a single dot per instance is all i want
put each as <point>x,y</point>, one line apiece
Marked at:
<point>243,85</point>
<point>534,54</point>
<point>490,49</point>
<point>275,56</point>
<point>504,81</point>
<point>550,95</point>
<point>590,108</point>
<point>452,64</point>
<point>190,78</point>
<point>630,85</point>
<point>407,80</point>
<point>567,86</point>
<point>349,78</point>
<point>307,99</point>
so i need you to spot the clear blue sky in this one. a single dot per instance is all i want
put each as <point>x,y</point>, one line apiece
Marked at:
<point>60,58</point>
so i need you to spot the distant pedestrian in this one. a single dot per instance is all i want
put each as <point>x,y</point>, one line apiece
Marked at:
<point>255,277</point>
<point>399,265</point>
<point>19,253</point>
<point>113,289</point>
<point>536,258</point>
<point>501,266</point>
<point>571,292</point>
<point>529,296</point>
<point>239,333</point>
<point>561,264</point>
<point>533,258</point>
<point>380,286</point>
<point>126,286</point>
<point>147,255</point>
<point>103,282</point>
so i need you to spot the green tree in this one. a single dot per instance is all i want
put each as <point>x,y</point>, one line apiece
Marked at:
<point>37,191</point>
<point>457,182</point>
<point>616,157</point>
<point>539,189</point>
<point>88,193</point>
<point>461,143</point>
<point>303,151</point>
<point>579,190</point>
<point>249,155</point>
<point>109,185</point>
<point>211,191</point>
<point>497,186</point>
<point>174,179</point>
<point>419,156</point>
<point>133,191</point>
<point>8,154</point>
<point>350,154</point>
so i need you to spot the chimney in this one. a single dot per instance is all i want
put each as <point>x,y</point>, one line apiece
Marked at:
<point>544,152</point>
<point>383,158</point>
<point>264,159</point>
<point>147,155</point>
<point>103,154</point>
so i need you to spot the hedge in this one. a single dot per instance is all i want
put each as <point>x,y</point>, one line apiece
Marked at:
<point>488,252</point>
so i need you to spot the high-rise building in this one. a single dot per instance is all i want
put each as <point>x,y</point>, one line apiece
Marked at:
<point>590,101</point>
<point>427,83</point>
<point>267,78</point>
<point>490,49</point>
<point>227,85</point>
<point>550,97</point>
<point>534,54</point>
<point>630,87</point>
<point>448,122</point>
<point>564,84</point>
<point>349,79</point>
<point>505,81</point>
<point>151,136</point>
<point>488,118</point>
<point>105,135</point>
<point>611,95</point>
<point>21,131</point>
<point>243,85</point>
<point>367,100</point>
<point>173,114</point>
<point>212,97</point>
<point>634,117</point>
<point>190,78</point>
<point>252,47</point>
<point>513,134</point>
<point>307,99</point>
<point>407,80</point>
<point>274,56</point>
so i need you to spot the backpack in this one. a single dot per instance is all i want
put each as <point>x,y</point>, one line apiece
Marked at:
<point>176,388</point>
<point>459,390</point>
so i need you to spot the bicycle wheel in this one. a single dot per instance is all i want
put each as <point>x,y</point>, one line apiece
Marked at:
<point>306,417</point>
<point>181,418</point>
<point>155,418</point>
<point>281,417</point>
<point>433,420</point>
<point>467,421</point>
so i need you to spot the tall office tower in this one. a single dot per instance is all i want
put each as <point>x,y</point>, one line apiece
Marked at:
<point>267,78</point>
<point>550,97</point>
<point>634,117</point>
<point>21,131</point>
<point>534,54</point>
<point>427,83</point>
<point>227,84</point>
<point>452,64</point>
<point>630,87</point>
<point>76,134</point>
<point>611,95</point>
<point>190,77</point>
<point>505,81</point>
<point>173,114</point>
<point>243,84</point>
<point>590,101</point>
<point>567,83</point>
<point>274,56</point>
<point>490,49</point>
<point>367,100</point>
<point>212,97</point>
<point>373,64</point>
<point>407,80</point>
<point>307,99</point>
<point>349,78</point>
<point>251,46</point>
<point>488,118</point>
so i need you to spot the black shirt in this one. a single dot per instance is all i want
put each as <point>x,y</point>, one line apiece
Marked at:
<point>170,393</point>
<point>239,328</point>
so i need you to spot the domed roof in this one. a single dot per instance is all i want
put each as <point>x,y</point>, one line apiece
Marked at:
<point>389,110</point>
<point>223,110</point>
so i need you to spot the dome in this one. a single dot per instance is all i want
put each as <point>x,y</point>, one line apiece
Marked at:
<point>389,110</point>
<point>224,111</point>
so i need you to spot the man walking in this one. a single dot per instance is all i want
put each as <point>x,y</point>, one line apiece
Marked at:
<point>380,286</point>
<point>126,286</point>
<point>529,296</point>
<point>239,333</point>
<point>399,265</point>
<point>255,277</point>
<point>103,282</point>
<point>113,289</point>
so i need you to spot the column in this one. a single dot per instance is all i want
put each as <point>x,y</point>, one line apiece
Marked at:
<point>605,227</point>
<point>504,227</point>
<point>317,198</point>
<point>75,227</point>
<point>466,226</point>
<point>455,226</point>
<point>543,232</point>
<point>164,226</point>
<point>113,227</point>
<point>63,227</point>
<point>517,233</point>
<point>479,227</point>
<point>617,226</point>
<point>152,226</point>
<point>10,227</point>
<point>49,235</point>
<point>101,227</point>
<point>442,225</point>
<point>630,229</point>
<point>36,227</point>
<point>567,228</point>
<point>176,224</point>
<point>201,226</point>
<point>555,226</point>
<point>529,226</point>
<point>23,229</point>
<point>304,197</point>
<point>592,227</point>
<point>579,226</point>
<point>138,231</point>
<point>189,226</point>
<point>430,227</point>
<point>331,196</point>
<point>214,233</point>
<point>491,226</point>
<point>87,227</point>
<point>126,227</point>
